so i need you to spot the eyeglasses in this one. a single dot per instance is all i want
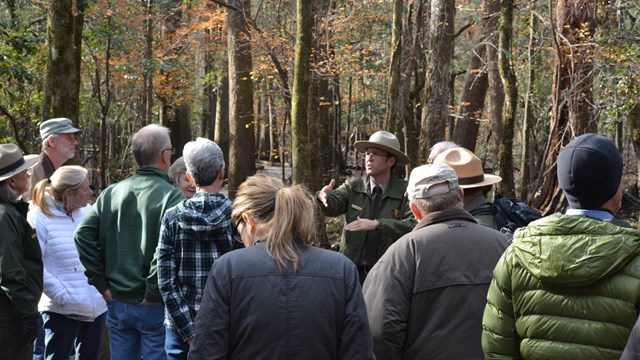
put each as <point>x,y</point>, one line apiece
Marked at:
<point>236,234</point>
<point>374,155</point>
<point>172,149</point>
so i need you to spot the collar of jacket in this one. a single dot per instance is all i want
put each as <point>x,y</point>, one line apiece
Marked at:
<point>153,171</point>
<point>443,216</point>
<point>395,189</point>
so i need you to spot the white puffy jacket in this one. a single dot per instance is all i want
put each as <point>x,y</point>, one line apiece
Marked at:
<point>66,288</point>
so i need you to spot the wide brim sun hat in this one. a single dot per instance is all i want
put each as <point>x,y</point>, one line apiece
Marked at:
<point>468,167</point>
<point>12,162</point>
<point>386,141</point>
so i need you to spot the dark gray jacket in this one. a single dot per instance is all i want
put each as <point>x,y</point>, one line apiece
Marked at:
<point>426,295</point>
<point>251,310</point>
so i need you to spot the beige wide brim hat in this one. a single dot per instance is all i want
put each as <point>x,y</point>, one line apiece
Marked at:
<point>386,141</point>
<point>12,162</point>
<point>468,167</point>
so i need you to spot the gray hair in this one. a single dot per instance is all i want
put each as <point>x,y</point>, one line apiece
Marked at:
<point>7,193</point>
<point>176,169</point>
<point>439,202</point>
<point>204,160</point>
<point>148,143</point>
<point>45,141</point>
<point>439,148</point>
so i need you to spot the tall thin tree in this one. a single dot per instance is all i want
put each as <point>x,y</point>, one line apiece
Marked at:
<point>241,122</point>
<point>300,98</point>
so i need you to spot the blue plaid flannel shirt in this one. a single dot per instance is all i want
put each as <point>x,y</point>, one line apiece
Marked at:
<point>193,235</point>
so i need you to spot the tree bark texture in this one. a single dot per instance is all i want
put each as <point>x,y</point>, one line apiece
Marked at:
<point>147,95</point>
<point>436,94</point>
<point>300,98</point>
<point>221,136</point>
<point>65,21</point>
<point>505,160</point>
<point>413,84</point>
<point>633,120</point>
<point>527,160</point>
<point>476,83</point>
<point>209,98</point>
<point>241,122</point>
<point>496,101</point>
<point>394,101</point>
<point>574,27</point>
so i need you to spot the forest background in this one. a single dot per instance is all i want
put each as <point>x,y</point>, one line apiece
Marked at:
<point>269,80</point>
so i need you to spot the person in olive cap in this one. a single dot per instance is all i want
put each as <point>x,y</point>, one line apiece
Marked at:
<point>568,287</point>
<point>59,144</point>
<point>377,210</point>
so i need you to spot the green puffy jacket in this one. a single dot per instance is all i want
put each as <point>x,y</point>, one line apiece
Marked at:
<point>567,288</point>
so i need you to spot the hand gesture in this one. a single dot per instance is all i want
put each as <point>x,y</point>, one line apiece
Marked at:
<point>324,193</point>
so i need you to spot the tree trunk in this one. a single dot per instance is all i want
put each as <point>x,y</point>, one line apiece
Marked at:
<point>242,128</point>
<point>147,95</point>
<point>476,84</point>
<point>221,136</point>
<point>64,38</point>
<point>436,94</point>
<point>394,101</point>
<point>496,102</point>
<point>209,98</point>
<point>572,113</point>
<point>505,160</point>
<point>300,98</point>
<point>264,144</point>
<point>633,119</point>
<point>413,84</point>
<point>527,162</point>
<point>273,142</point>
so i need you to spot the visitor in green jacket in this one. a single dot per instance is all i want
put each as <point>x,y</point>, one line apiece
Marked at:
<point>377,210</point>
<point>569,285</point>
<point>20,258</point>
<point>117,240</point>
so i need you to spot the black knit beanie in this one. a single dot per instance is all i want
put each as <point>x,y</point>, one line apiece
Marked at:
<point>589,171</point>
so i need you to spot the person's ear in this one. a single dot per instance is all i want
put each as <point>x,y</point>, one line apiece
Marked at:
<point>190,178</point>
<point>416,212</point>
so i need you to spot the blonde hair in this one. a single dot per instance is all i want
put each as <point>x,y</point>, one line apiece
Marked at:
<point>65,178</point>
<point>283,213</point>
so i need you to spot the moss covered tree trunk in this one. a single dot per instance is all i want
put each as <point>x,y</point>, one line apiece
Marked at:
<point>508,76</point>
<point>241,122</point>
<point>65,21</point>
<point>436,95</point>
<point>300,98</point>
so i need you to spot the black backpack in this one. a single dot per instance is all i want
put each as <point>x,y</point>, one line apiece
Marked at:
<point>510,213</point>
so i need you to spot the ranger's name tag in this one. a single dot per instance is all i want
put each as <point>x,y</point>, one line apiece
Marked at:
<point>356,207</point>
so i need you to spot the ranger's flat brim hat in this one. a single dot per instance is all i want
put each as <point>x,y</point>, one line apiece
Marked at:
<point>468,167</point>
<point>386,141</point>
<point>12,162</point>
